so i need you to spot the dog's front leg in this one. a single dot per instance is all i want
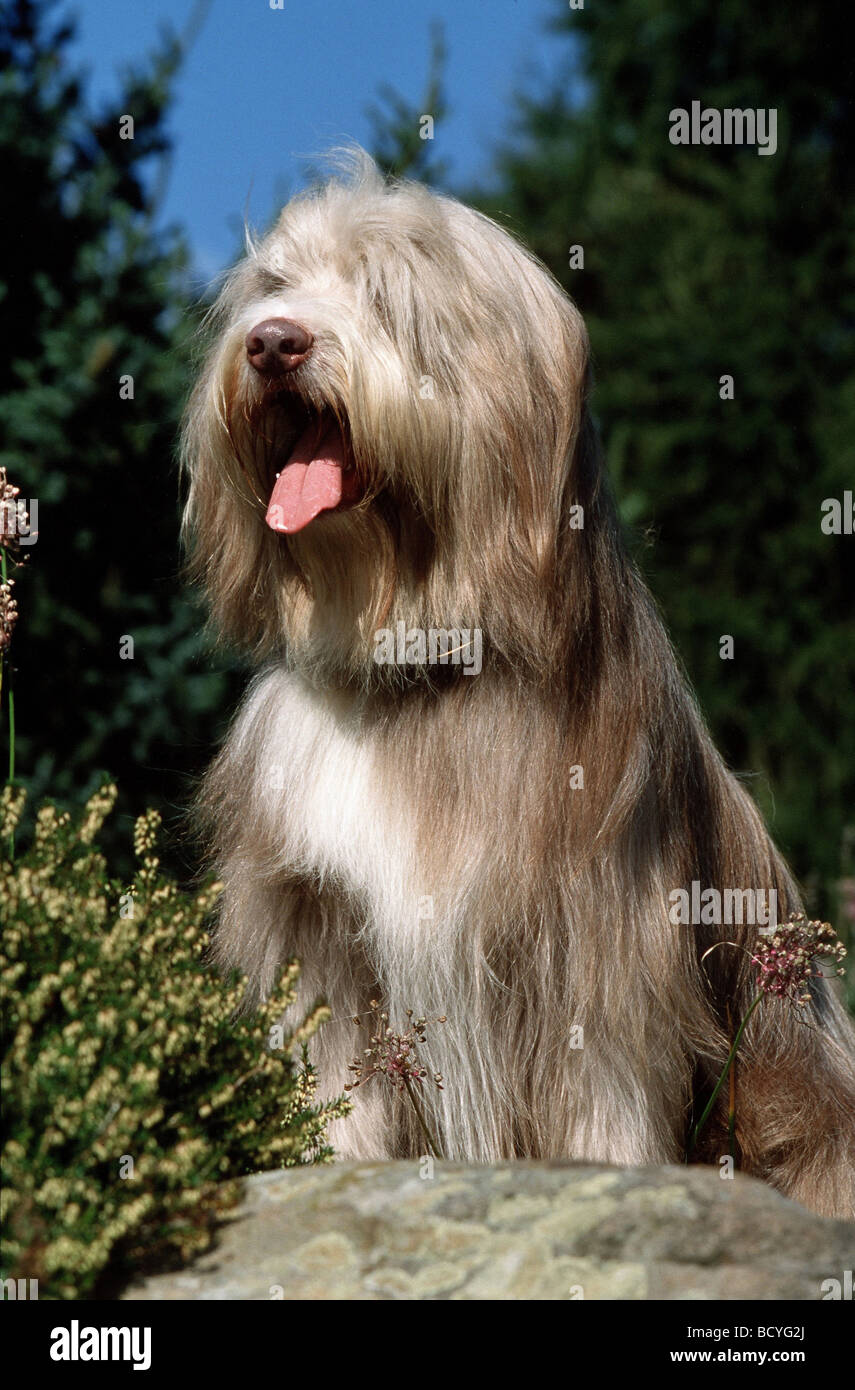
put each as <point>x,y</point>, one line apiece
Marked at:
<point>263,925</point>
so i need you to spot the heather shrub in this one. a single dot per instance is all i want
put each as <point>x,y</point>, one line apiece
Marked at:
<point>134,1095</point>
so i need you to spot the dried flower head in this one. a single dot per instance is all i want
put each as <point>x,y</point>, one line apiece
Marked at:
<point>8,614</point>
<point>394,1055</point>
<point>790,956</point>
<point>14,521</point>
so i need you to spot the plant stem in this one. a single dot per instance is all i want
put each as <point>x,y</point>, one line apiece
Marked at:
<point>731,1055</point>
<point>432,1144</point>
<point>10,700</point>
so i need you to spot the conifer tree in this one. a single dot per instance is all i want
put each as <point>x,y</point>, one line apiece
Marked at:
<point>91,387</point>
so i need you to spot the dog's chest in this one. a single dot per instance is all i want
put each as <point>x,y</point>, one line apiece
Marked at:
<point>332,810</point>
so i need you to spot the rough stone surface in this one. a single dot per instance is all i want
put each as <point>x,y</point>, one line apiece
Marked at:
<point>363,1231</point>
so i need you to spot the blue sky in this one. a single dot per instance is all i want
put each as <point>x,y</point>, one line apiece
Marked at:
<point>264,90</point>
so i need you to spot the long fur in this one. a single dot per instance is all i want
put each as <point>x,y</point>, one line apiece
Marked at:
<point>415,833</point>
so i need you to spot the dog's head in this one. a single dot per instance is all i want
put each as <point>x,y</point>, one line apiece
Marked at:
<point>385,430</point>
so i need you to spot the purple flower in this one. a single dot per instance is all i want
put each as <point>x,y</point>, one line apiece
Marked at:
<point>788,957</point>
<point>393,1055</point>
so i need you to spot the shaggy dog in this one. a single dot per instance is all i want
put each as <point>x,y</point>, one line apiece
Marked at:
<point>390,434</point>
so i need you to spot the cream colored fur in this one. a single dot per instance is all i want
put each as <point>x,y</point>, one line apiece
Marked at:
<point>418,835</point>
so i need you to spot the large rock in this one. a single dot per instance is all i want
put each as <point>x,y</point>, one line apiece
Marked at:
<point>513,1231</point>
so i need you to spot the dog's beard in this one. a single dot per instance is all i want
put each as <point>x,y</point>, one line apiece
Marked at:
<point>414,542</point>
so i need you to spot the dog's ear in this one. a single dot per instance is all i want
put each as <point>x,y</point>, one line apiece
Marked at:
<point>542,479</point>
<point>559,457</point>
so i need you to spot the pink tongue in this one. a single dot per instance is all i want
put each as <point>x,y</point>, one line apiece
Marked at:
<point>310,482</point>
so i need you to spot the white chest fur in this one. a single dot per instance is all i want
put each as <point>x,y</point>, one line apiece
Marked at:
<point>322,792</point>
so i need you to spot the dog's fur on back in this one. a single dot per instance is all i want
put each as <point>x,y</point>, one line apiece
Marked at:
<point>418,835</point>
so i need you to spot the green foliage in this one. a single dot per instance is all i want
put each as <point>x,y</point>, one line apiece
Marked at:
<point>118,1044</point>
<point>703,261</point>
<point>95,294</point>
<point>397,131</point>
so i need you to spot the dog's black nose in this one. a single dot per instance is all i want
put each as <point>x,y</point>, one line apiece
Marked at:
<point>277,346</point>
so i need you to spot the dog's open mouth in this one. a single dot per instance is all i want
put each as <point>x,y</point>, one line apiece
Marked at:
<point>317,476</point>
